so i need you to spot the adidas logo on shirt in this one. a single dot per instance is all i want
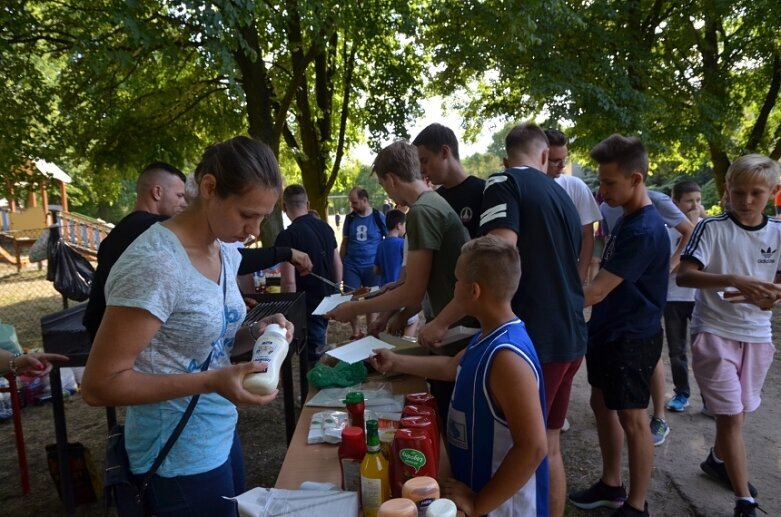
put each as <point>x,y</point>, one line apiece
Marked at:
<point>767,255</point>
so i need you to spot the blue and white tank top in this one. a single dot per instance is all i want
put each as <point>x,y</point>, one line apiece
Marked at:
<point>478,434</point>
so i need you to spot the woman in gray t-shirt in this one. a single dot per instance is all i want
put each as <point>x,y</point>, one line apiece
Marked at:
<point>172,301</point>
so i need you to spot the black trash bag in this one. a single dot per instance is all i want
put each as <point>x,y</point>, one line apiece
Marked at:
<point>71,273</point>
<point>51,252</point>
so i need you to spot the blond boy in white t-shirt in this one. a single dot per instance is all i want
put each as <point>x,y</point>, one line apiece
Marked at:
<point>732,349</point>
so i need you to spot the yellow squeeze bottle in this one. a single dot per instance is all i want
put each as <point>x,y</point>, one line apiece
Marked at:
<point>375,484</point>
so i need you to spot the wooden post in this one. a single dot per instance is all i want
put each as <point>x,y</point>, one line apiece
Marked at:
<point>45,204</point>
<point>63,196</point>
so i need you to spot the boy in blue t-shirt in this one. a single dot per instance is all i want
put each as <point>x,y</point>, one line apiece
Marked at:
<point>625,331</point>
<point>390,252</point>
<point>497,443</point>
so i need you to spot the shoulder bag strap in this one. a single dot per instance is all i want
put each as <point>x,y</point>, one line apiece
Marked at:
<point>175,435</point>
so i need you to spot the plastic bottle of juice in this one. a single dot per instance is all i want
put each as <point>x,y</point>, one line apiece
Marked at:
<point>271,348</point>
<point>375,485</point>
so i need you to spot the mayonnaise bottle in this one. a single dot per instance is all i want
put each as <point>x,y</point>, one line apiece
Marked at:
<point>271,348</point>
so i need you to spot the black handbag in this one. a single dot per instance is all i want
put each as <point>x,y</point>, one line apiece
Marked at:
<point>119,487</point>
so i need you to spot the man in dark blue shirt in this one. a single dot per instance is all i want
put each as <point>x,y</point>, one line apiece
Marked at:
<point>625,330</point>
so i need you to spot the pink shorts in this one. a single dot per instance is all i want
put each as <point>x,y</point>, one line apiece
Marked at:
<point>730,373</point>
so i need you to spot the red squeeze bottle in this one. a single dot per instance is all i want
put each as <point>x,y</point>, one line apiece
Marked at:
<point>351,453</point>
<point>425,423</point>
<point>355,407</point>
<point>411,456</point>
<point>422,399</point>
<point>415,410</point>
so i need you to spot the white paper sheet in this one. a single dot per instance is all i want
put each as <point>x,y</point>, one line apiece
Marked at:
<point>458,333</point>
<point>273,502</point>
<point>331,302</point>
<point>358,350</point>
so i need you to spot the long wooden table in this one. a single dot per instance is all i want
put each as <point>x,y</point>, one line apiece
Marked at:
<point>320,462</point>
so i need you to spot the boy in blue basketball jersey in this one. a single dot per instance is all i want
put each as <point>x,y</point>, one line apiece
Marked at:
<point>497,442</point>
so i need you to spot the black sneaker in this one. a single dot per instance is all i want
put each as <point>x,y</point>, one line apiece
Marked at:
<point>598,495</point>
<point>718,471</point>
<point>744,508</point>
<point>631,511</point>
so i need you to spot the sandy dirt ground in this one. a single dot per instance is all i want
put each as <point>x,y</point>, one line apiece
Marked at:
<point>678,488</point>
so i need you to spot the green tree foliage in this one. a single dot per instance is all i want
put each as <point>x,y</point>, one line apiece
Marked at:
<point>696,80</point>
<point>482,164</point>
<point>148,79</point>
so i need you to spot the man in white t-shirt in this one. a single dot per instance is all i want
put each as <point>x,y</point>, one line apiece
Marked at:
<point>578,191</point>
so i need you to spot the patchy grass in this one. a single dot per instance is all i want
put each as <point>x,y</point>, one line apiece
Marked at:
<point>24,298</point>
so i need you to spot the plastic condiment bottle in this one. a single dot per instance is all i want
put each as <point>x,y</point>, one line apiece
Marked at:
<point>398,508</point>
<point>352,450</point>
<point>411,410</point>
<point>442,508</point>
<point>355,408</point>
<point>425,423</point>
<point>422,399</point>
<point>411,456</point>
<point>271,348</point>
<point>375,487</point>
<point>260,282</point>
<point>422,491</point>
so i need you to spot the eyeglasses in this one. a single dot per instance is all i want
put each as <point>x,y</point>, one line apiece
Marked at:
<point>559,163</point>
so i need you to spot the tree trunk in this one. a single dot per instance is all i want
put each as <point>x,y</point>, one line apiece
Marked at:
<point>721,163</point>
<point>271,226</point>
<point>104,211</point>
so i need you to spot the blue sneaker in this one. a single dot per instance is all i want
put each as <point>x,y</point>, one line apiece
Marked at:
<point>659,430</point>
<point>678,403</point>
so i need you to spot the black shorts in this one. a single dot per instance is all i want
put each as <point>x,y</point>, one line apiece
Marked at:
<point>622,370</point>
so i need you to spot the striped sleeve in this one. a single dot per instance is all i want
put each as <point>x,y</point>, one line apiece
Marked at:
<point>500,204</point>
<point>699,247</point>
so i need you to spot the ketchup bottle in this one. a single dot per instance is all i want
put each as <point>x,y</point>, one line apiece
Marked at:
<point>355,408</point>
<point>425,423</point>
<point>411,456</point>
<point>426,411</point>
<point>351,453</point>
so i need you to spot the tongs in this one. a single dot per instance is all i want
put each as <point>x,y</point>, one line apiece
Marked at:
<point>338,287</point>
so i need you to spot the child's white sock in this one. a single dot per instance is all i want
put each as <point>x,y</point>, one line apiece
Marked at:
<point>749,499</point>
<point>716,458</point>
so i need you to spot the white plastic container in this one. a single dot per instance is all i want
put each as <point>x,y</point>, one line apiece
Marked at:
<point>271,348</point>
<point>442,508</point>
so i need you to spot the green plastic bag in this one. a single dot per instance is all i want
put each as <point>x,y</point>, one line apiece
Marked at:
<point>341,375</point>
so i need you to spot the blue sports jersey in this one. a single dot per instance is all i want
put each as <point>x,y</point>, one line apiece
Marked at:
<point>478,435</point>
<point>363,235</point>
